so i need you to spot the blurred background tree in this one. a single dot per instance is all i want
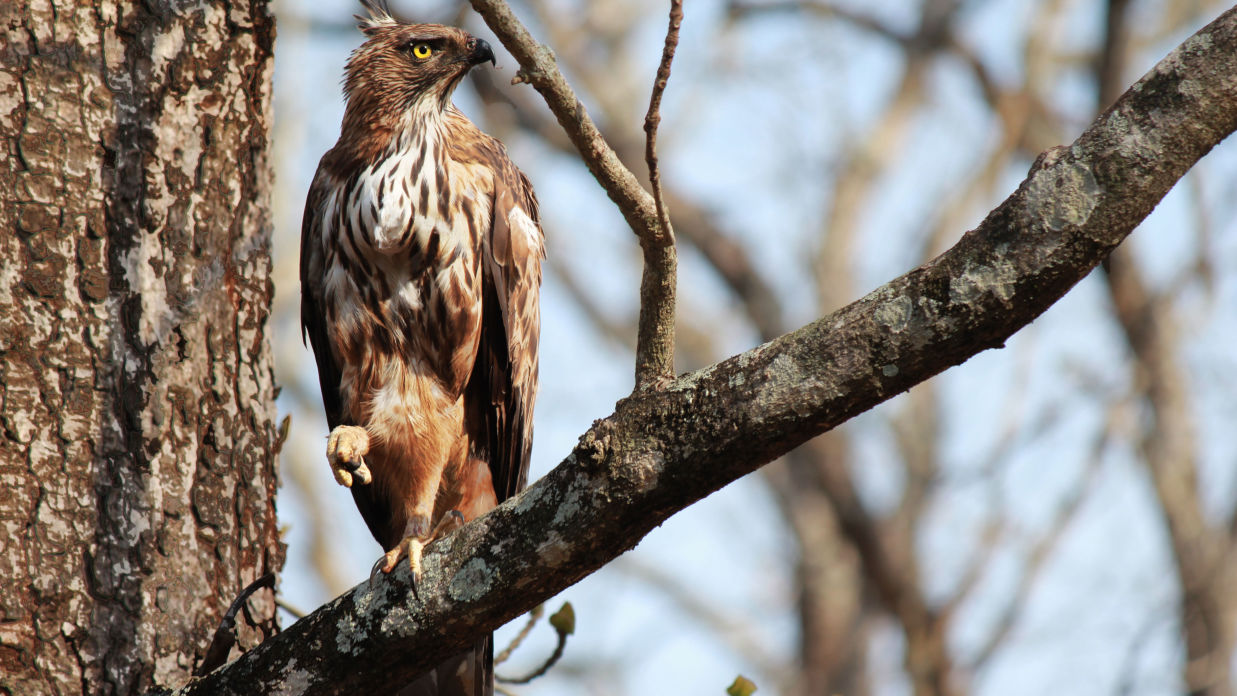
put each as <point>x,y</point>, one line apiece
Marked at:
<point>1054,517</point>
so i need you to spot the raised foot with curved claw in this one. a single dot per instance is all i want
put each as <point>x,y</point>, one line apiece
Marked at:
<point>345,451</point>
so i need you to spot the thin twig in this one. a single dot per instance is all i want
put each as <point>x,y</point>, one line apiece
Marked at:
<point>1040,553</point>
<point>726,628</point>
<point>296,613</point>
<point>739,10</point>
<point>538,68</point>
<point>545,667</point>
<point>655,333</point>
<point>563,622</point>
<point>695,224</point>
<point>653,118</point>
<point>533,617</point>
<point>225,635</point>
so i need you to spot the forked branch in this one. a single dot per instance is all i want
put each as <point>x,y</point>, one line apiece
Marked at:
<point>655,339</point>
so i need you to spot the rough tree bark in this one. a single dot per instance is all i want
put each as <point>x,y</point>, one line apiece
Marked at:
<point>139,442</point>
<point>663,450</point>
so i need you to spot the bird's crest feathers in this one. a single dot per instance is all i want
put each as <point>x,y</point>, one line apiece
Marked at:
<point>379,16</point>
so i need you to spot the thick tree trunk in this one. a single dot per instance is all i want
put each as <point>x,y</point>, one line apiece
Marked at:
<point>139,442</point>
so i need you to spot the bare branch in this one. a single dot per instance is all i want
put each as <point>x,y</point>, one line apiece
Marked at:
<point>653,118</point>
<point>740,9</point>
<point>563,621</point>
<point>1037,557</point>
<point>618,332</point>
<point>725,627</point>
<point>663,450</point>
<point>655,332</point>
<point>828,575</point>
<point>225,636</point>
<point>695,225</point>
<point>655,340</point>
<point>538,68</point>
<point>296,612</point>
<point>533,617</point>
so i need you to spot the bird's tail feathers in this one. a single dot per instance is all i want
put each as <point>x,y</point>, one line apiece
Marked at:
<point>470,673</point>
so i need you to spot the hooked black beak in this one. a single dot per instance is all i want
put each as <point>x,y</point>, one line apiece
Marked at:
<point>481,52</point>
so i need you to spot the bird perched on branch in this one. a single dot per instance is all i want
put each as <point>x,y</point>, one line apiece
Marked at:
<point>420,271</point>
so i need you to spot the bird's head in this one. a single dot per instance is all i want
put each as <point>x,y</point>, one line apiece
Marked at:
<point>402,66</point>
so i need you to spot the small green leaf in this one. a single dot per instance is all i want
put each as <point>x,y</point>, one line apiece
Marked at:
<point>564,620</point>
<point>742,686</point>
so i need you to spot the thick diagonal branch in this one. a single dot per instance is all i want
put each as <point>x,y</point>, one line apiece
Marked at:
<point>663,450</point>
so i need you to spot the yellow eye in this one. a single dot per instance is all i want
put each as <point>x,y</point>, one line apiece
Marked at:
<point>422,51</point>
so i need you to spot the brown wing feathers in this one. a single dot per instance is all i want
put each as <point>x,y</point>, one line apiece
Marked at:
<point>503,385</point>
<point>313,314</point>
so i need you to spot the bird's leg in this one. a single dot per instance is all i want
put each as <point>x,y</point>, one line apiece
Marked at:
<point>345,450</point>
<point>451,521</point>
<point>414,543</point>
<point>410,546</point>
